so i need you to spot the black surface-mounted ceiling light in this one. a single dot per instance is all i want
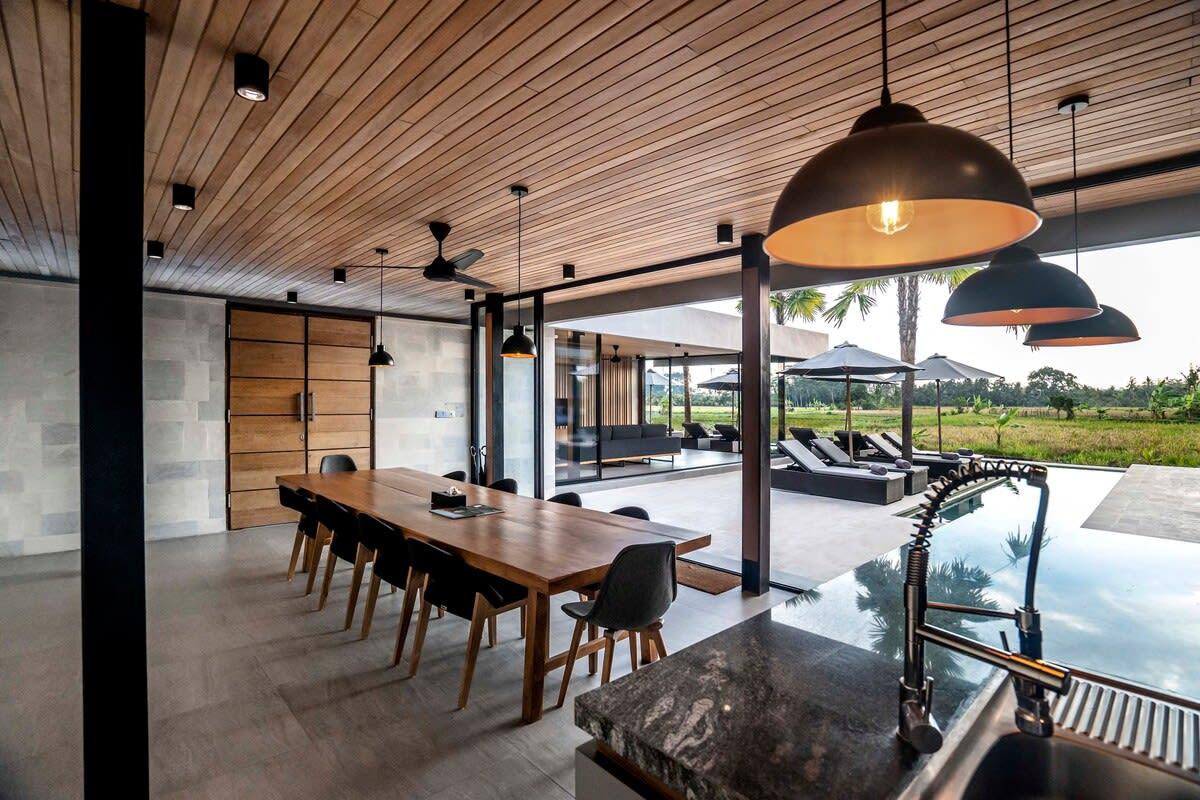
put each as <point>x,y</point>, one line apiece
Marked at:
<point>518,345</point>
<point>339,275</point>
<point>1110,326</point>
<point>155,249</point>
<point>468,294</point>
<point>900,191</point>
<point>568,272</point>
<point>724,233</point>
<point>381,357</point>
<point>1018,288</point>
<point>183,197</point>
<point>293,297</point>
<point>251,77</point>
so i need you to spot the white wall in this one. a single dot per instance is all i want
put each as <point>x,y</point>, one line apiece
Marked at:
<point>432,373</point>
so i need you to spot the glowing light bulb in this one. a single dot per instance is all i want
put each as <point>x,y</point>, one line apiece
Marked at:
<point>891,216</point>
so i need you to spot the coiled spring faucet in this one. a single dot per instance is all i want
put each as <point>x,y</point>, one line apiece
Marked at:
<point>1031,676</point>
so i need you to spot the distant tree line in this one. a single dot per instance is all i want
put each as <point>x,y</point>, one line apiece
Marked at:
<point>1044,387</point>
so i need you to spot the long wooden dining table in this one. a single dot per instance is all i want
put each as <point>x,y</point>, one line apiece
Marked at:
<point>548,547</point>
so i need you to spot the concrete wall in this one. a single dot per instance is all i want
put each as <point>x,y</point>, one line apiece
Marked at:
<point>432,373</point>
<point>184,395</point>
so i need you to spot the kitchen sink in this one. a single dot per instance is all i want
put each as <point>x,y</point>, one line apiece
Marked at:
<point>1019,766</point>
<point>1108,743</point>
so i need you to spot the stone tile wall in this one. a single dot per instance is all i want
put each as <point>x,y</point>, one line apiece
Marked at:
<point>184,396</point>
<point>432,373</point>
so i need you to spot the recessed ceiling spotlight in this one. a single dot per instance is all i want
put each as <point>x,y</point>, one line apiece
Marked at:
<point>568,272</point>
<point>154,249</point>
<point>468,294</point>
<point>183,197</point>
<point>251,77</point>
<point>293,297</point>
<point>724,233</point>
<point>339,274</point>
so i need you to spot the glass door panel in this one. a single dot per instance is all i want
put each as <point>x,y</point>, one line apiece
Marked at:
<point>576,375</point>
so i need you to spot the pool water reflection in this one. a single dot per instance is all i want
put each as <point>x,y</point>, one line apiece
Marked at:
<point>1115,603</point>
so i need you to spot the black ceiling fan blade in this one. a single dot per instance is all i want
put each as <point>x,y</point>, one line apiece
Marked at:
<point>465,260</point>
<point>469,281</point>
<point>376,266</point>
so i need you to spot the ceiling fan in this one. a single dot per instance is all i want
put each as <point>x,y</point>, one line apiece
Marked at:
<point>449,269</point>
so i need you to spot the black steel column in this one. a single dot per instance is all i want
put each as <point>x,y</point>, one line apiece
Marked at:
<point>755,365</point>
<point>493,391</point>
<point>539,399</point>
<point>111,134</point>
<point>641,368</point>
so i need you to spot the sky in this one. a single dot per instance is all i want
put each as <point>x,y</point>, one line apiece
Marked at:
<point>1156,284</point>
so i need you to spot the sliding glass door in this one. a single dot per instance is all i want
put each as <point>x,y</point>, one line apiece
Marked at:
<point>576,406</point>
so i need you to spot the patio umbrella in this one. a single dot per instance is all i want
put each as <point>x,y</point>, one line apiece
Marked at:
<point>729,382</point>
<point>938,368</point>
<point>846,361</point>
<point>654,379</point>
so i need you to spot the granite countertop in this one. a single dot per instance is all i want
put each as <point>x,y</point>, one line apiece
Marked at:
<point>764,709</point>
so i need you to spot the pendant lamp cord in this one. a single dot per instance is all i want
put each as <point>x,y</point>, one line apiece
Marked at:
<point>1074,191</point>
<point>1008,72</point>
<point>885,96</point>
<point>381,298</point>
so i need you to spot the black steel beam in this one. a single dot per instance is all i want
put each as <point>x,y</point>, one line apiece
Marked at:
<point>493,376</point>
<point>113,564</point>
<point>756,415</point>
<point>1146,169</point>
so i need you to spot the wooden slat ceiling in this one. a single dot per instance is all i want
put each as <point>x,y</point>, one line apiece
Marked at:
<point>637,125</point>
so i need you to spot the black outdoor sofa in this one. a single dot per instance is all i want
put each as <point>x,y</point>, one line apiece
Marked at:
<point>916,477</point>
<point>811,475</point>
<point>620,443</point>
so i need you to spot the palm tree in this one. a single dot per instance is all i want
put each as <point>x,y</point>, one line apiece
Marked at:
<point>864,294</point>
<point>801,304</point>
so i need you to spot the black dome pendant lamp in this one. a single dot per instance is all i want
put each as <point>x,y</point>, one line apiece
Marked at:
<point>1018,288</point>
<point>900,191</point>
<point>518,345</point>
<point>381,357</point>
<point>1110,326</point>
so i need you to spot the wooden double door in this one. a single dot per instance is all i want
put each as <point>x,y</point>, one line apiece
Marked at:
<point>299,389</point>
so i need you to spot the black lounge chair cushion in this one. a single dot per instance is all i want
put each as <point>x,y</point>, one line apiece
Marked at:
<point>803,435</point>
<point>729,433</point>
<point>695,430</point>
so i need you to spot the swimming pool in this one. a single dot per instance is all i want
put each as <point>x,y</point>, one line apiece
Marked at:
<point>1115,603</point>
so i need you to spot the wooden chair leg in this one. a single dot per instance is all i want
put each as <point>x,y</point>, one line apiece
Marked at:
<point>306,556</point>
<point>314,558</point>
<point>419,640</point>
<point>369,611</point>
<point>479,615</point>
<point>330,566</point>
<point>660,649</point>
<point>491,631</point>
<point>361,556</point>
<point>571,652</point>
<point>609,646</point>
<point>633,651</point>
<point>297,545</point>
<point>415,580</point>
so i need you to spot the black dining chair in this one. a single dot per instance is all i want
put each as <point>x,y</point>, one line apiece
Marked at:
<point>637,512</point>
<point>463,591</point>
<point>456,475</point>
<point>567,499</point>
<point>344,544</point>
<point>337,462</point>
<point>633,597</point>
<point>504,485</point>
<point>390,564</point>
<point>306,527</point>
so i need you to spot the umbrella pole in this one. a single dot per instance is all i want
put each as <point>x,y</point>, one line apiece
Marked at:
<point>849,419</point>
<point>939,413</point>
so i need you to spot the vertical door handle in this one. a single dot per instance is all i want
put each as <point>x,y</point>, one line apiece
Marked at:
<point>312,405</point>
<point>300,398</point>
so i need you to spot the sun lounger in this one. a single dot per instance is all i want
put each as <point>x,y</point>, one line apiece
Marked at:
<point>730,441</point>
<point>803,435</point>
<point>916,477</point>
<point>860,444</point>
<point>938,465</point>
<point>697,437</point>
<point>811,475</point>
